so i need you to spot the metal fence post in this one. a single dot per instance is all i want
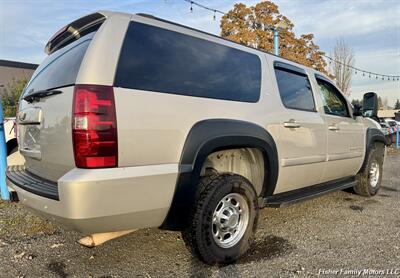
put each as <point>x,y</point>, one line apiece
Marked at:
<point>5,195</point>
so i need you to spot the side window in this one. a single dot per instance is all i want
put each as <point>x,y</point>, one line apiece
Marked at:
<point>333,101</point>
<point>159,60</point>
<point>294,89</point>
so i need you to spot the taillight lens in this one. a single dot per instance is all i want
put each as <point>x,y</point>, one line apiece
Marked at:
<point>94,127</point>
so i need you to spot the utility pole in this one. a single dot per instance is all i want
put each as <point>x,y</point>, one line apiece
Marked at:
<point>276,41</point>
<point>279,27</point>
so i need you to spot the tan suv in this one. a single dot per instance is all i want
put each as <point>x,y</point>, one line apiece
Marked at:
<point>133,121</point>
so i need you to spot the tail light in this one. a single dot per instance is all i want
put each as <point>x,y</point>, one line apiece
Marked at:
<point>94,127</point>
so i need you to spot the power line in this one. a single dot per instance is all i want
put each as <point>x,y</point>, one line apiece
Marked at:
<point>330,59</point>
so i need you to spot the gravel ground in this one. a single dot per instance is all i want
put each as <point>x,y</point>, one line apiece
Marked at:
<point>337,231</point>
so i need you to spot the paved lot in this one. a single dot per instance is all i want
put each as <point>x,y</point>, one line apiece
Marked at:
<point>338,231</point>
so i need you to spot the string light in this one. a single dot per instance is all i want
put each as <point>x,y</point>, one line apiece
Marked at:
<point>330,59</point>
<point>344,66</point>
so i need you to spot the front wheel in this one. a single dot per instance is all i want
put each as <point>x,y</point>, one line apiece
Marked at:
<point>370,177</point>
<point>224,219</point>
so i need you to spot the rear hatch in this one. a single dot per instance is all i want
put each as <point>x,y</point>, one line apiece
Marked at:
<point>45,110</point>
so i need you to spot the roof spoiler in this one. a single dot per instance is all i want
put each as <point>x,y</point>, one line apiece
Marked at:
<point>73,31</point>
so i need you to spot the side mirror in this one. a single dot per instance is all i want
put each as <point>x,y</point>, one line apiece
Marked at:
<point>357,111</point>
<point>370,105</point>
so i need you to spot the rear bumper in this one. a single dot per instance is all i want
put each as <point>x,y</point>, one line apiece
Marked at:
<point>104,200</point>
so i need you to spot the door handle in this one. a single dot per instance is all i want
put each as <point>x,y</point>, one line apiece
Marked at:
<point>333,127</point>
<point>291,124</point>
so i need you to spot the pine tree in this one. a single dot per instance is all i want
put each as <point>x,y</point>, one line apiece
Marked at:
<point>397,104</point>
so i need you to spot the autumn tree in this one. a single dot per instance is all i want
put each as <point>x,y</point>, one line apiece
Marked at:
<point>11,95</point>
<point>343,57</point>
<point>251,26</point>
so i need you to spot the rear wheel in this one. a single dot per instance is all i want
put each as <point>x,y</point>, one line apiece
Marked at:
<point>224,219</point>
<point>369,179</point>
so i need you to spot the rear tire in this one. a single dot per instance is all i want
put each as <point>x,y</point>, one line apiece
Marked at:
<point>369,179</point>
<point>223,222</point>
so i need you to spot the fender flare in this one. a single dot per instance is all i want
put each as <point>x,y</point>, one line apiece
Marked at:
<point>373,135</point>
<point>206,137</point>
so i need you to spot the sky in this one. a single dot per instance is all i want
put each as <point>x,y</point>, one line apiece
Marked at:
<point>370,27</point>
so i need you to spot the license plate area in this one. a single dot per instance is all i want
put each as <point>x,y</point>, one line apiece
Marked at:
<point>29,145</point>
<point>29,121</point>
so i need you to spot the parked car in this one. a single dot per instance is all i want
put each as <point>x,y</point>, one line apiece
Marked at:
<point>393,129</point>
<point>393,124</point>
<point>133,121</point>
<point>386,129</point>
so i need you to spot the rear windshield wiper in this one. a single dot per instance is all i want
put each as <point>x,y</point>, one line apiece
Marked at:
<point>41,94</point>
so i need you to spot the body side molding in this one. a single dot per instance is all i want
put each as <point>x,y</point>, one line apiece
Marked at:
<point>206,137</point>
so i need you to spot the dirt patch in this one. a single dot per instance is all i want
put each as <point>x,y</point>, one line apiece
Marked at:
<point>57,268</point>
<point>267,248</point>
<point>384,195</point>
<point>356,208</point>
<point>340,230</point>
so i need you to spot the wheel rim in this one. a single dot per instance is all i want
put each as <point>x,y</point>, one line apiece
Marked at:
<point>374,174</point>
<point>230,220</point>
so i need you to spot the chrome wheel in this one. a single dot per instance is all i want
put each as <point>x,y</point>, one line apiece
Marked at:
<point>230,220</point>
<point>374,174</point>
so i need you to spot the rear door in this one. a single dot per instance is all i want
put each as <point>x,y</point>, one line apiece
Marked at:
<point>45,108</point>
<point>44,124</point>
<point>302,134</point>
<point>345,134</point>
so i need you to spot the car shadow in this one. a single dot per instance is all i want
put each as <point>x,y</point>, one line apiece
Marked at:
<point>265,248</point>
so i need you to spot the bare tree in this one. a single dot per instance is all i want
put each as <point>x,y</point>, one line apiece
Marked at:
<point>385,103</point>
<point>343,57</point>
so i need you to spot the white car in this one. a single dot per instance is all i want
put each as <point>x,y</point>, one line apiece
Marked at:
<point>9,132</point>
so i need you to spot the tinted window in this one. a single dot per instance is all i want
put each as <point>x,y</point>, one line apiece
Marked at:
<point>58,69</point>
<point>333,101</point>
<point>155,59</point>
<point>295,90</point>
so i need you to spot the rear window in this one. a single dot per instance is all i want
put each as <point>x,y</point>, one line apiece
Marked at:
<point>60,69</point>
<point>159,60</point>
<point>295,90</point>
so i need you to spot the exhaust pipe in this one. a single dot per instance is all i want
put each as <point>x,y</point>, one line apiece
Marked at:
<point>98,239</point>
